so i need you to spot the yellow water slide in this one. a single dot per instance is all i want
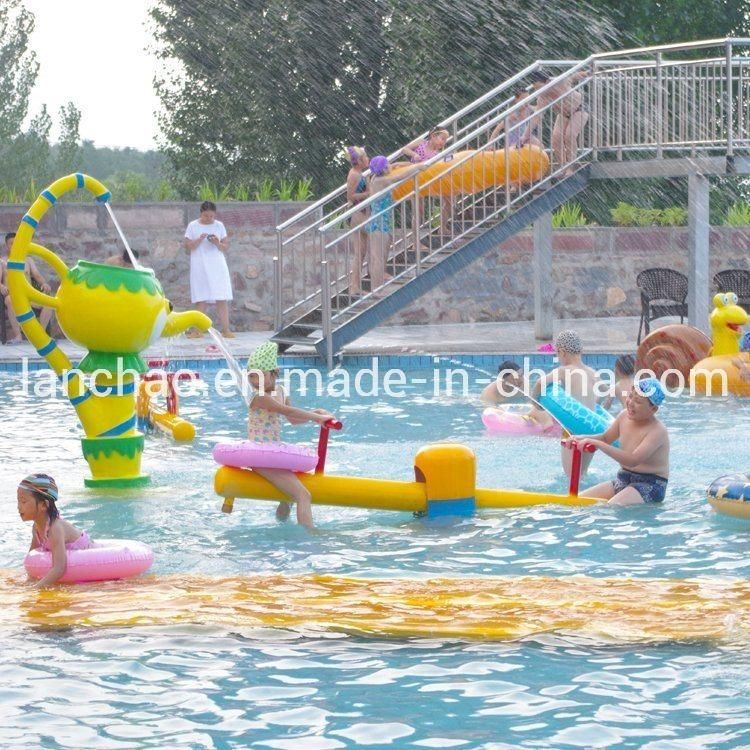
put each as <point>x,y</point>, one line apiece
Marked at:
<point>468,172</point>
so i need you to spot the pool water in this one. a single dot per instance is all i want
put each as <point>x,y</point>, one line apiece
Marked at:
<point>203,686</point>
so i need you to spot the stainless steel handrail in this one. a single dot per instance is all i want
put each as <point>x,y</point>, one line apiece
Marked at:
<point>616,84</point>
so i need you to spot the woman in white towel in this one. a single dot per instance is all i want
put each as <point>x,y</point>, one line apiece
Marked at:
<point>207,242</point>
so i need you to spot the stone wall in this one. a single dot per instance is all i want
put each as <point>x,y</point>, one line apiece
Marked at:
<point>594,268</point>
<point>594,271</point>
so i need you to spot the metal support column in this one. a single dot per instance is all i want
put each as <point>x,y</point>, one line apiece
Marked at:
<point>698,252</point>
<point>543,284</point>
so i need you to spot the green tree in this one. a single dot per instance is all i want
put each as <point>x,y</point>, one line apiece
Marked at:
<point>19,67</point>
<point>27,158</point>
<point>68,154</point>
<point>19,71</point>
<point>650,23</point>
<point>102,162</point>
<point>275,87</point>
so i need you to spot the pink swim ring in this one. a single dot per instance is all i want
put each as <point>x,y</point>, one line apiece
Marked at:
<point>515,419</point>
<point>104,560</point>
<point>252,455</point>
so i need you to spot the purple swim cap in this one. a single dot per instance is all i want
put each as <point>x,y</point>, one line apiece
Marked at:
<point>378,164</point>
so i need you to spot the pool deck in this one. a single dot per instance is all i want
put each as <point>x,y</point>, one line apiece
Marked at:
<point>599,335</point>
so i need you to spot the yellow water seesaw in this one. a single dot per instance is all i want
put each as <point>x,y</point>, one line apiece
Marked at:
<point>445,484</point>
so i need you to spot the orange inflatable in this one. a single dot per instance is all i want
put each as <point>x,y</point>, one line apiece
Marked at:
<point>673,347</point>
<point>480,170</point>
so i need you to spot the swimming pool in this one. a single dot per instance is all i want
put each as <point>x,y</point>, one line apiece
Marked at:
<point>197,686</point>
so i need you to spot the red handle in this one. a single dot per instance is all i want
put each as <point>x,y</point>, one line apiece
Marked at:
<point>575,469</point>
<point>325,428</point>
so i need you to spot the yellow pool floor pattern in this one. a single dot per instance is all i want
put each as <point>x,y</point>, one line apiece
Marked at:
<point>615,610</point>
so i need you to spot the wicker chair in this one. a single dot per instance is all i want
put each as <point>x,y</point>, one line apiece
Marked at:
<point>663,292</point>
<point>735,280</point>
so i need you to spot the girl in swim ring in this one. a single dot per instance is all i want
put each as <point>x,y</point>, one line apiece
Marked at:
<point>268,405</point>
<point>37,502</point>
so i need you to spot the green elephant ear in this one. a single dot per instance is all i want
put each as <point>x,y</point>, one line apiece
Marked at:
<point>114,278</point>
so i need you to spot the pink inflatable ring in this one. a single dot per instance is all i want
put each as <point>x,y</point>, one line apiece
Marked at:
<point>106,560</point>
<point>251,455</point>
<point>515,419</point>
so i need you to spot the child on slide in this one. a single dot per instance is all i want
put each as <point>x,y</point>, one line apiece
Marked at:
<point>268,405</point>
<point>37,502</point>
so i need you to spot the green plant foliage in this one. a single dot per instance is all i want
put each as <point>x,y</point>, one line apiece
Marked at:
<point>285,190</point>
<point>265,191</point>
<point>628,215</point>
<point>738,215</point>
<point>674,216</point>
<point>164,191</point>
<point>569,215</point>
<point>303,189</point>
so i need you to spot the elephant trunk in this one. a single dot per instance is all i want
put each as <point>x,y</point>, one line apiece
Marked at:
<point>179,322</point>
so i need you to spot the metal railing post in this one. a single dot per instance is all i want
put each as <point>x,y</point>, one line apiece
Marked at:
<point>506,164</point>
<point>416,220</point>
<point>728,100</point>
<point>596,113</point>
<point>659,108</point>
<point>277,303</point>
<point>326,311</point>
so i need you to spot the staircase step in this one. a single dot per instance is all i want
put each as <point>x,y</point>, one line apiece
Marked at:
<point>293,340</point>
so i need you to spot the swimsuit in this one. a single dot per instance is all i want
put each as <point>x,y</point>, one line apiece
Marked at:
<point>382,221</point>
<point>651,487</point>
<point>83,542</point>
<point>264,426</point>
<point>422,153</point>
<point>516,135</point>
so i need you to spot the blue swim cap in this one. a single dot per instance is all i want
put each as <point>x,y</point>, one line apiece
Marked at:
<point>651,389</point>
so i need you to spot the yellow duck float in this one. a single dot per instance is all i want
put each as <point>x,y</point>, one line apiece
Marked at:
<point>114,313</point>
<point>725,361</point>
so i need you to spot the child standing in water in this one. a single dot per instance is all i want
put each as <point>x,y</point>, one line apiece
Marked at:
<point>37,502</point>
<point>357,190</point>
<point>269,403</point>
<point>380,227</point>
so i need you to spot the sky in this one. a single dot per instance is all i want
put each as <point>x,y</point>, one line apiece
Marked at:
<point>93,52</point>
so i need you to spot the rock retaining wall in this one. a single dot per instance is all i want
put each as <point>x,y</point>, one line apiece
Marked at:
<point>594,269</point>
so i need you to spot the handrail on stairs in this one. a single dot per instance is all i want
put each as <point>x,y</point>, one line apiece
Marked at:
<point>600,70</point>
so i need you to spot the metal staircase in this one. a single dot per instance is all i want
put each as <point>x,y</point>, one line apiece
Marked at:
<point>640,109</point>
